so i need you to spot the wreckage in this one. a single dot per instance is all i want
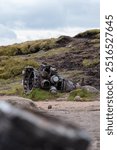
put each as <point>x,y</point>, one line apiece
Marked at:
<point>47,78</point>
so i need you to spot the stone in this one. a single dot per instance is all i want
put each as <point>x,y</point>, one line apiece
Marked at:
<point>90,89</point>
<point>78,85</point>
<point>77,98</point>
<point>23,130</point>
<point>49,106</point>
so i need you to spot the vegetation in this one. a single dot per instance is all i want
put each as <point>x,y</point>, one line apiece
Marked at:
<point>83,93</point>
<point>72,56</point>
<point>11,89</point>
<point>95,33</point>
<point>39,94</point>
<point>27,47</point>
<point>90,63</point>
<point>13,66</point>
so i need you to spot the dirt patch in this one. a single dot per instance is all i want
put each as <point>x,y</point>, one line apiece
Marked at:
<point>85,114</point>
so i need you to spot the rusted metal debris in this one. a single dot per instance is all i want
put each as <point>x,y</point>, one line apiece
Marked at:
<point>47,78</point>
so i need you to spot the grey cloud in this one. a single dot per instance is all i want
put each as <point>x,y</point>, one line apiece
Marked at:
<point>48,14</point>
<point>6,33</point>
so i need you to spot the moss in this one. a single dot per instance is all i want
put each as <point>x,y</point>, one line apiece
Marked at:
<point>39,94</point>
<point>84,94</point>
<point>90,63</point>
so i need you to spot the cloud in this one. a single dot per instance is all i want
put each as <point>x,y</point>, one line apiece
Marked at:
<point>24,35</point>
<point>49,14</point>
<point>28,19</point>
<point>7,33</point>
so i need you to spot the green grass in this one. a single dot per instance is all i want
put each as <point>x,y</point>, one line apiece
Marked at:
<point>84,94</point>
<point>39,94</point>
<point>14,87</point>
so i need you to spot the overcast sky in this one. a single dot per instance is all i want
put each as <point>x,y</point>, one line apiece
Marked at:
<point>22,20</point>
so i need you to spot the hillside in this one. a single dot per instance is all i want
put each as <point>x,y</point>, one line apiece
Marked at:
<point>76,58</point>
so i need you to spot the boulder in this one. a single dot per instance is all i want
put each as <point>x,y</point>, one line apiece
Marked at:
<point>90,89</point>
<point>23,130</point>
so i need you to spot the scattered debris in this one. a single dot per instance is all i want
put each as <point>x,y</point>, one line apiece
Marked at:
<point>47,78</point>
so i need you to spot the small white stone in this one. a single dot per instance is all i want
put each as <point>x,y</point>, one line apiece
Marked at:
<point>77,98</point>
<point>78,85</point>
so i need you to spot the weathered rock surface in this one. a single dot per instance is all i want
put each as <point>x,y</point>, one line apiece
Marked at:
<point>77,98</point>
<point>23,130</point>
<point>90,89</point>
<point>20,102</point>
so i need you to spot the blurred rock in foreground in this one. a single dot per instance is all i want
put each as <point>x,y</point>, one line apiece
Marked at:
<point>23,130</point>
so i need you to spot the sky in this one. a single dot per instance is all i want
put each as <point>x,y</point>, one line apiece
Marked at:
<point>25,20</point>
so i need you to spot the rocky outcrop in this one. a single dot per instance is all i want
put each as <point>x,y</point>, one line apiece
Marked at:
<point>23,130</point>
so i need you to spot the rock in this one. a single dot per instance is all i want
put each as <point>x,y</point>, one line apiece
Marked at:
<point>78,85</point>
<point>49,106</point>
<point>90,89</point>
<point>77,98</point>
<point>23,103</point>
<point>23,130</point>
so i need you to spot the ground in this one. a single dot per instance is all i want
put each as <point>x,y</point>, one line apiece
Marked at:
<point>76,58</point>
<point>85,114</point>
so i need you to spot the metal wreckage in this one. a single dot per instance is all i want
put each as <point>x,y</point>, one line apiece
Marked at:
<point>47,78</point>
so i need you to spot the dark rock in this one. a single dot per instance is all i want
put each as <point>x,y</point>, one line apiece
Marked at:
<point>24,130</point>
<point>49,106</point>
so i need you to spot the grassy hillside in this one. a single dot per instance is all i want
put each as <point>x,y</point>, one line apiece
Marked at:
<point>75,57</point>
